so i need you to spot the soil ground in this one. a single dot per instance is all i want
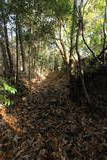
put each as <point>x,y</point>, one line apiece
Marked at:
<point>45,124</point>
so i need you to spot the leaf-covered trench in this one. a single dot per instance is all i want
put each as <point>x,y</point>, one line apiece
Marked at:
<point>45,125</point>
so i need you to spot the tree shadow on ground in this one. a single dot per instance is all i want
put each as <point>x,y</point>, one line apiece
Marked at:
<point>45,125</point>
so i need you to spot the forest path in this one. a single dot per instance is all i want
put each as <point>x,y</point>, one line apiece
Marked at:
<point>45,125</point>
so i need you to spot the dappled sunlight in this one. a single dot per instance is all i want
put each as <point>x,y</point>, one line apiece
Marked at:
<point>45,123</point>
<point>10,120</point>
<point>53,83</point>
<point>40,75</point>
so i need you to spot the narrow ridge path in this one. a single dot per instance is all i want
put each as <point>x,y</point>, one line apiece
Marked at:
<point>45,125</point>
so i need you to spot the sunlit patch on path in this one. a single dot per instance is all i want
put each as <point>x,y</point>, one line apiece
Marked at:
<point>10,120</point>
<point>46,125</point>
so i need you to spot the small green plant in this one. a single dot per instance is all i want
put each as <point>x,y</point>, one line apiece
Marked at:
<point>6,91</point>
<point>9,88</point>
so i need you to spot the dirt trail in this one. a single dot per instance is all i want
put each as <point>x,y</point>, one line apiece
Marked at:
<point>45,125</point>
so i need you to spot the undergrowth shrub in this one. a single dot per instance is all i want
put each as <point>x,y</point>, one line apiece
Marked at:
<point>6,90</point>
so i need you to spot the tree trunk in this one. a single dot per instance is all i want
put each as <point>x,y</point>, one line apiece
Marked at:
<point>6,70</point>
<point>7,41</point>
<point>17,51</point>
<point>21,45</point>
<point>79,58</point>
<point>105,36</point>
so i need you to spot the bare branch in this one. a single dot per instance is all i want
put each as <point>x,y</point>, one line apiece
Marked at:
<point>83,37</point>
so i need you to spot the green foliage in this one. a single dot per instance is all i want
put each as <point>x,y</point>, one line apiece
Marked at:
<point>6,91</point>
<point>8,88</point>
<point>45,22</point>
<point>61,7</point>
<point>5,100</point>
